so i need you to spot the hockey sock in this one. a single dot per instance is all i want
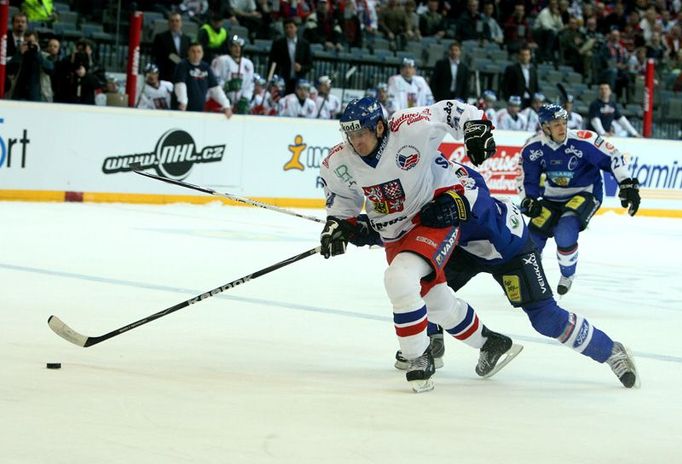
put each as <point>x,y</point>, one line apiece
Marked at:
<point>454,315</point>
<point>586,339</point>
<point>568,259</point>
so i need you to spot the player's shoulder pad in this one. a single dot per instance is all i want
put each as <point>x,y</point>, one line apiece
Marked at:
<point>589,139</point>
<point>410,117</point>
<point>534,142</point>
<point>333,152</point>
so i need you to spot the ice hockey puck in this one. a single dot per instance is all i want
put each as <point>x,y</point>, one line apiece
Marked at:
<point>54,365</point>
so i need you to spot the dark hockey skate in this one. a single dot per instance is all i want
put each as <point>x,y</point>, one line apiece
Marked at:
<point>565,284</point>
<point>496,353</point>
<point>437,346</point>
<point>623,365</point>
<point>420,371</point>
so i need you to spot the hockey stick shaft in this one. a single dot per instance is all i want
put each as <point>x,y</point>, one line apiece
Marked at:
<point>67,333</point>
<point>229,196</point>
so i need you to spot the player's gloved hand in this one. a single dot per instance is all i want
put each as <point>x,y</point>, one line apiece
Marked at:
<point>531,207</point>
<point>445,210</point>
<point>478,140</point>
<point>629,195</point>
<point>334,237</point>
<point>363,233</point>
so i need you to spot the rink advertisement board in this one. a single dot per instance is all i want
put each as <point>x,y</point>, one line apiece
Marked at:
<point>49,149</point>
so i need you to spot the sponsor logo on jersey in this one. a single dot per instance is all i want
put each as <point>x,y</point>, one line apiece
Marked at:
<point>512,288</point>
<point>572,163</point>
<point>561,178</point>
<point>598,141</point>
<point>534,154</point>
<point>379,226</point>
<point>343,174</point>
<point>609,146</point>
<point>531,260</point>
<point>387,198</point>
<point>173,157</point>
<point>9,144</point>
<point>329,201</point>
<point>452,122</point>
<point>409,119</point>
<point>571,150</point>
<point>583,134</point>
<point>407,157</point>
<point>426,240</point>
<point>446,247</point>
<point>582,334</point>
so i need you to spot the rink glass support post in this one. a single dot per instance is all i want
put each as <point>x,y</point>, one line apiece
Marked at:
<point>133,56</point>
<point>647,128</point>
<point>4,19</point>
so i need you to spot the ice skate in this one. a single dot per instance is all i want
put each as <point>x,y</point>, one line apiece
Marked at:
<point>623,365</point>
<point>420,371</point>
<point>565,284</point>
<point>437,345</point>
<point>496,353</point>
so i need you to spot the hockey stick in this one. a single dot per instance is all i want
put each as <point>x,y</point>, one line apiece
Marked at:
<point>138,170</point>
<point>70,335</point>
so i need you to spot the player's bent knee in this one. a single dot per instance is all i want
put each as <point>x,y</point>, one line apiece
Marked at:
<point>402,282</point>
<point>524,281</point>
<point>548,318</point>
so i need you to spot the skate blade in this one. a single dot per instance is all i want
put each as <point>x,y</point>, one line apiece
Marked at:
<point>506,359</point>
<point>638,382</point>
<point>403,365</point>
<point>421,386</point>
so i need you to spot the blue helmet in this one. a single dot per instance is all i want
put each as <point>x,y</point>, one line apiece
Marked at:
<point>549,113</point>
<point>489,95</point>
<point>514,100</point>
<point>363,113</point>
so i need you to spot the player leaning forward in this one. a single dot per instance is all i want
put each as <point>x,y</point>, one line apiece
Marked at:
<point>397,167</point>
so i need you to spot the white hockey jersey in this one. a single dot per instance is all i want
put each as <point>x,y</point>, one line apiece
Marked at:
<point>532,120</point>
<point>409,169</point>
<point>327,107</point>
<point>235,78</point>
<point>506,122</point>
<point>409,94</point>
<point>575,121</point>
<point>291,106</point>
<point>156,98</point>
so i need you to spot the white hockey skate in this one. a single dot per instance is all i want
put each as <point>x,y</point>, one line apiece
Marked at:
<point>437,345</point>
<point>622,364</point>
<point>565,284</point>
<point>497,352</point>
<point>420,371</point>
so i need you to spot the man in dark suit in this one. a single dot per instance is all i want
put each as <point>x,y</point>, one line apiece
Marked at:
<point>292,55</point>
<point>521,78</point>
<point>170,47</point>
<point>450,77</point>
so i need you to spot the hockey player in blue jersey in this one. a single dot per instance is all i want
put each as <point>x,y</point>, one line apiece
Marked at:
<point>495,240</point>
<point>572,162</point>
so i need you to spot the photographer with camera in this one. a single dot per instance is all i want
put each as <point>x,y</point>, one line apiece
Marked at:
<point>30,66</point>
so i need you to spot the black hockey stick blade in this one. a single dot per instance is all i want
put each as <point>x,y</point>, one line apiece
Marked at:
<point>67,333</point>
<point>247,201</point>
<point>563,92</point>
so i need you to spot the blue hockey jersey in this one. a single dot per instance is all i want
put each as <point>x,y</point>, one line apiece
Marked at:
<point>571,167</point>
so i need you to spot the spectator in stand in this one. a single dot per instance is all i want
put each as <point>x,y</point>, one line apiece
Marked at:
<point>213,37</point>
<point>451,76</point>
<point>195,10</point>
<point>327,106</point>
<point>39,11</point>
<point>649,23</point>
<point>614,20</point>
<point>495,33</point>
<point>615,62</point>
<point>521,78</point>
<point>79,85</point>
<point>673,40</point>
<point>394,23</point>
<point>94,67</point>
<point>53,50</point>
<point>632,36</point>
<point>169,47</point>
<point>16,36</point>
<point>235,75</point>
<point>292,56</point>
<point>155,93</point>
<point>194,81</point>
<point>470,25</point>
<point>510,118</point>
<point>547,27</point>
<point>408,89</point>
<point>531,112</point>
<point>575,120</point>
<point>517,32</point>
<point>322,27</point>
<point>486,103</point>
<point>32,70</point>
<point>388,105</point>
<point>298,104</point>
<point>604,111</point>
<point>247,13</point>
<point>656,48</point>
<point>412,19</point>
<point>637,63</point>
<point>432,22</point>
<point>571,41</point>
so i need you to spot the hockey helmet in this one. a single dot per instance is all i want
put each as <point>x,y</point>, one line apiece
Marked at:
<point>236,40</point>
<point>382,86</point>
<point>363,113</point>
<point>303,84</point>
<point>277,82</point>
<point>549,113</point>
<point>324,80</point>
<point>514,100</point>
<point>259,80</point>
<point>408,63</point>
<point>489,96</point>
<point>537,96</point>
<point>151,68</point>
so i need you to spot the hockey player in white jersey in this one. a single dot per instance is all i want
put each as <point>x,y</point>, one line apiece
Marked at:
<point>327,106</point>
<point>486,103</point>
<point>575,120</point>
<point>155,93</point>
<point>235,75</point>
<point>407,89</point>
<point>573,191</point>
<point>394,168</point>
<point>531,113</point>
<point>510,118</point>
<point>298,104</point>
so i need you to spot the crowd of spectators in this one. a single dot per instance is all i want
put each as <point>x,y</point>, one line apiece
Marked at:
<point>607,43</point>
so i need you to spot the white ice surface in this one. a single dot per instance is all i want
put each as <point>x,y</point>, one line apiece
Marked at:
<point>296,366</point>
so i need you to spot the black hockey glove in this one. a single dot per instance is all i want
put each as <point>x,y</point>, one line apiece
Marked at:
<point>363,234</point>
<point>478,140</point>
<point>629,195</point>
<point>334,237</point>
<point>531,207</point>
<point>445,210</point>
